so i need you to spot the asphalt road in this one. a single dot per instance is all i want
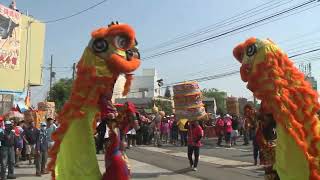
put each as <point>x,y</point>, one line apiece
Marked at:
<point>170,163</point>
<point>235,163</point>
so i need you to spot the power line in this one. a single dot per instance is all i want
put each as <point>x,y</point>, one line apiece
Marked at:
<point>224,23</point>
<point>229,32</point>
<point>297,49</point>
<point>195,43</point>
<point>225,74</point>
<point>77,13</point>
<point>303,53</point>
<point>216,76</point>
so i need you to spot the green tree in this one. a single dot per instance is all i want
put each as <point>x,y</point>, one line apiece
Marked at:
<point>60,92</point>
<point>167,93</point>
<point>219,96</point>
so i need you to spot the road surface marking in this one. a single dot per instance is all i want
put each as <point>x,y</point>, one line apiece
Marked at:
<point>232,148</point>
<point>208,159</point>
<point>146,171</point>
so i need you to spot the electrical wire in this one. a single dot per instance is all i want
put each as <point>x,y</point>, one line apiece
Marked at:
<point>223,23</point>
<point>237,71</point>
<point>295,50</point>
<point>216,37</point>
<point>75,14</point>
<point>199,42</point>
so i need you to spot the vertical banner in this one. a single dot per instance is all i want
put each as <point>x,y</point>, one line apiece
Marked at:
<point>9,38</point>
<point>19,99</point>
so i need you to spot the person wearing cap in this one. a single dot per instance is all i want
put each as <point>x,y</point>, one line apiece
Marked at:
<point>41,150</point>
<point>7,138</point>
<point>19,141</point>
<point>51,128</point>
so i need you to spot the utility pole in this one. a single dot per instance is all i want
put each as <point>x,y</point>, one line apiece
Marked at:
<point>73,70</point>
<point>51,73</point>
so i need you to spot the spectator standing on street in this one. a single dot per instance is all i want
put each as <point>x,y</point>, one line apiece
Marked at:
<point>249,116</point>
<point>165,130</point>
<point>157,126</point>
<point>174,132</point>
<point>195,133</point>
<point>41,150</point>
<point>30,135</point>
<point>241,125</point>
<point>131,138</point>
<point>7,138</point>
<point>183,132</point>
<point>219,127</point>
<point>235,130</point>
<point>19,142</point>
<point>139,134</point>
<point>100,134</point>
<point>228,129</point>
<point>51,128</point>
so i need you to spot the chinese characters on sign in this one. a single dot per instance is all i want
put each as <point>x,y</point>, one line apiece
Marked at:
<point>9,38</point>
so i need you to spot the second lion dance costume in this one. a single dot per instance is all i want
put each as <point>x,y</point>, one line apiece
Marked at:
<point>111,51</point>
<point>288,99</point>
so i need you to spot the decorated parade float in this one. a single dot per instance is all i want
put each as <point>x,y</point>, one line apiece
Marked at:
<point>111,51</point>
<point>188,101</point>
<point>290,99</point>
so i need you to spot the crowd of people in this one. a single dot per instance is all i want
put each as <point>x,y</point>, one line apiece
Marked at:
<point>23,141</point>
<point>157,129</point>
<point>149,129</point>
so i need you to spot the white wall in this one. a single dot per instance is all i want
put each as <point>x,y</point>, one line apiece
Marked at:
<point>118,87</point>
<point>148,81</point>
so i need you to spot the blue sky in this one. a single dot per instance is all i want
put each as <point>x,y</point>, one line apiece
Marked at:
<point>162,20</point>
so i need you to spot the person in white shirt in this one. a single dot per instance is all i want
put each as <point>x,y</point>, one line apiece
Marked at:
<point>51,128</point>
<point>131,134</point>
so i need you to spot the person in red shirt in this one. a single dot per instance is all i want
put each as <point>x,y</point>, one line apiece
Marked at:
<point>195,133</point>
<point>219,127</point>
<point>228,129</point>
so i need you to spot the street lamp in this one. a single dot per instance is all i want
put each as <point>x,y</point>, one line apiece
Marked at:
<point>160,84</point>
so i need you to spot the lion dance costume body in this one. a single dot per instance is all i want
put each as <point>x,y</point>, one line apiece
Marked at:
<point>111,51</point>
<point>273,78</point>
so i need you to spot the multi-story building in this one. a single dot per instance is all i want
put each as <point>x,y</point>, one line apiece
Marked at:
<point>143,86</point>
<point>233,106</point>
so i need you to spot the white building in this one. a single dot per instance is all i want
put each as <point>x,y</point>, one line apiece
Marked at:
<point>143,86</point>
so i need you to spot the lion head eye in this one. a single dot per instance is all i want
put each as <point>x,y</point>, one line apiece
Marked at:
<point>122,42</point>
<point>100,45</point>
<point>251,50</point>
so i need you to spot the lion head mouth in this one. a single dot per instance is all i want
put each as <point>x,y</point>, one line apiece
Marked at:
<point>242,53</point>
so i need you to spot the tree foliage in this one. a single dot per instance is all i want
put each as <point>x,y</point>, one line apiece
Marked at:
<point>219,96</point>
<point>60,92</point>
